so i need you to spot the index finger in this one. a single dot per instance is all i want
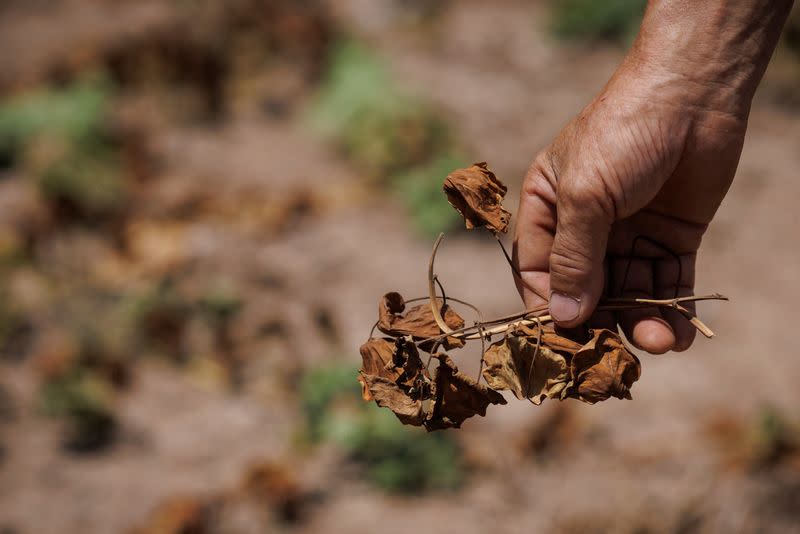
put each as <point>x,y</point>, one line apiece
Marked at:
<point>533,236</point>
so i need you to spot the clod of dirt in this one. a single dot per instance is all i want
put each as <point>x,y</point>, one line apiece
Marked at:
<point>478,195</point>
<point>177,515</point>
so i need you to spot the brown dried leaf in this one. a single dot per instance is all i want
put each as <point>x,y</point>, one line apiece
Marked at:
<point>394,360</point>
<point>418,321</point>
<point>388,394</point>
<point>458,397</point>
<point>551,339</point>
<point>477,194</point>
<point>376,353</point>
<point>603,368</point>
<point>516,364</point>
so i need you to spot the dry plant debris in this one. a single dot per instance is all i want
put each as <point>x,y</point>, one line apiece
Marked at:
<point>533,359</point>
<point>477,195</point>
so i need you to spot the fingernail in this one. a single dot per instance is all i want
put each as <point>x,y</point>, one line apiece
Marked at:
<point>564,308</point>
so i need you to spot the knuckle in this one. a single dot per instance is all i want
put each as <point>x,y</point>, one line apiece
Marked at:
<point>539,180</point>
<point>569,266</point>
<point>589,196</point>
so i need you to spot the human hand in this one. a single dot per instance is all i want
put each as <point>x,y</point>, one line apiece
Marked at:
<point>629,165</point>
<point>652,156</point>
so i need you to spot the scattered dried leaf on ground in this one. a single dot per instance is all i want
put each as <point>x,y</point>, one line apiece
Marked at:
<point>478,194</point>
<point>418,321</point>
<point>603,368</point>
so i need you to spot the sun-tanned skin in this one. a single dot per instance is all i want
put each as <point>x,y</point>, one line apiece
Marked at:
<point>652,155</point>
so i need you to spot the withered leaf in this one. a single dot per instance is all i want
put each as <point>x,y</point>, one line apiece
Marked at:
<point>395,360</point>
<point>376,353</point>
<point>551,339</point>
<point>603,368</point>
<point>418,321</point>
<point>477,194</point>
<point>388,394</point>
<point>458,397</point>
<point>516,364</point>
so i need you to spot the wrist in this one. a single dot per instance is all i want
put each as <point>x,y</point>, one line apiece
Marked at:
<point>708,55</point>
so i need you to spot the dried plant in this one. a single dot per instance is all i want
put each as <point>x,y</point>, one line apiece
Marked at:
<point>533,359</point>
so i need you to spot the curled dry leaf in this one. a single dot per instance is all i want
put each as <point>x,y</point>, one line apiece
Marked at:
<point>417,321</point>
<point>394,360</point>
<point>561,368</point>
<point>376,354</point>
<point>478,194</point>
<point>393,376</point>
<point>388,394</point>
<point>458,397</point>
<point>529,371</point>
<point>603,368</point>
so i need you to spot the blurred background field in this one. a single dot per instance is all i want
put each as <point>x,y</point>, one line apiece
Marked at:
<point>201,203</point>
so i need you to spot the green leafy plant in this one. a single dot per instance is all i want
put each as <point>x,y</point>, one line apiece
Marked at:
<point>62,140</point>
<point>396,138</point>
<point>395,458</point>
<point>597,20</point>
<point>76,113</point>
<point>84,402</point>
<point>382,128</point>
<point>775,438</point>
<point>421,191</point>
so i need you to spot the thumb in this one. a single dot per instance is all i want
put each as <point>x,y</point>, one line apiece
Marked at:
<point>585,213</point>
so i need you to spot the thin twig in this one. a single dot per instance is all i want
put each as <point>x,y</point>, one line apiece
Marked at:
<point>469,333</point>
<point>515,270</point>
<point>533,360</point>
<point>437,315</point>
<point>483,351</point>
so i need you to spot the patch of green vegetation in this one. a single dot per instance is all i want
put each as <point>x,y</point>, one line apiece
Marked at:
<point>84,403</point>
<point>614,21</point>
<point>62,140</point>
<point>396,138</point>
<point>421,191</point>
<point>220,304</point>
<point>775,438</point>
<point>395,458</point>
<point>76,113</point>
<point>12,325</point>
<point>84,178</point>
<point>382,128</point>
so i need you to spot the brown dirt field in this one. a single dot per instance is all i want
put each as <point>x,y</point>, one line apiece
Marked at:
<point>646,465</point>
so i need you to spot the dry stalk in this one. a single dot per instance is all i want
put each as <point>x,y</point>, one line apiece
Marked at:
<point>491,327</point>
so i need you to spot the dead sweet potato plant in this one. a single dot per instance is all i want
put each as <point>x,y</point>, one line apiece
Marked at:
<point>531,358</point>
